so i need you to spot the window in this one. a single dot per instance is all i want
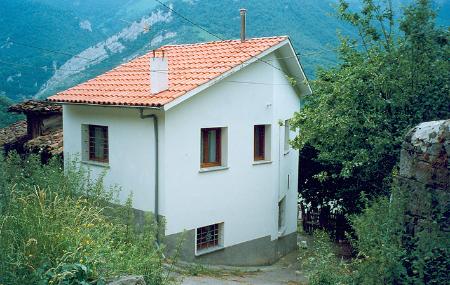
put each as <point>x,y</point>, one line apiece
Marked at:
<point>286,135</point>
<point>98,143</point>
<point>211,149</point>
<point>281,214</point>
<point>209,237</point>
<point>259,144</point>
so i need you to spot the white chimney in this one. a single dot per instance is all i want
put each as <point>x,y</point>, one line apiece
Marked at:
<point>159,73</point>
<point>243,13</point>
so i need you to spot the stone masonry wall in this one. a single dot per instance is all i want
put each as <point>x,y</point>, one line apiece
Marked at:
<point>424,173</point>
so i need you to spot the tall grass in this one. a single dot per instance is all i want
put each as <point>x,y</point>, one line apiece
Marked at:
<point>59,227</point>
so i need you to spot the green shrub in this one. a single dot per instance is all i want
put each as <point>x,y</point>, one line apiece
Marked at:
<point>62,228</point>
<point>320,262</point>
<point>387,253</point>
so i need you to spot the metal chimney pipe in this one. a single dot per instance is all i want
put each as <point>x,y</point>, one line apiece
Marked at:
<point>243,13</point>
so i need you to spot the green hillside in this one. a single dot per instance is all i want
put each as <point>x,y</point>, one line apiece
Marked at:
<point>50,45</point>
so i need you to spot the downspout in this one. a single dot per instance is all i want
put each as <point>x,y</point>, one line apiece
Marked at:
<point>155,127</point>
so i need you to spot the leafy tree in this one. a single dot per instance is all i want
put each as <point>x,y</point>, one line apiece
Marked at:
<point>390,79</point>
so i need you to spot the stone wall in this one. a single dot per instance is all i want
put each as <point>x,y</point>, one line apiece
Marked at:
<point>424,173</point>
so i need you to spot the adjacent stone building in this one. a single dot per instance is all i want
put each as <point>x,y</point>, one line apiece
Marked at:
<point>425,174</point>
<point>41,132</point>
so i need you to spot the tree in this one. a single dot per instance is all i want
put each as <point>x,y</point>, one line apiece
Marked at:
<point>393,77</point>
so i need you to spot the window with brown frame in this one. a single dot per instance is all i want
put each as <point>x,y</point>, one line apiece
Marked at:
<point>259,142</point>
<point>211,152</point>
<point>98,143</point>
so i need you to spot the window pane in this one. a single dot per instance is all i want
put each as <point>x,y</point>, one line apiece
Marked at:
<point>208,236</point>
<point>286,135</point>
<point>212,137</point>
<point>259,146</point>
<point>99,143</point>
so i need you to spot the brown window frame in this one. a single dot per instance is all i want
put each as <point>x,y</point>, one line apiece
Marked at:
<point>91,144</point>
<point>205,147</point>
<point>259,133</point>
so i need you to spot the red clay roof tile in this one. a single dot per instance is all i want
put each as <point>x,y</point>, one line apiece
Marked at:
<point>190,66</point>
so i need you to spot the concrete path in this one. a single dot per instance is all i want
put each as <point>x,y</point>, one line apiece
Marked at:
<point>284,272</point>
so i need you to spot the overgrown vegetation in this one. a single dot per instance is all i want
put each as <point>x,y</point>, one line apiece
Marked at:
<point>386,253</point>
<point>393,77</point>
<point>64,229</point>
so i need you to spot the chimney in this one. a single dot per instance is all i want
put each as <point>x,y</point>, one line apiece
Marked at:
<point>243,13</point>
<point>159,73</point>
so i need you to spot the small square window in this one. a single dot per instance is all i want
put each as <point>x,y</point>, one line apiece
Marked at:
<point>209,237</point>
<point>211,147</point>
<point>95,144</point>
<point>261,142</point>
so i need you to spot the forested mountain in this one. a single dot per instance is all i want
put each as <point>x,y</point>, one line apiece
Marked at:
<point>49,45</point>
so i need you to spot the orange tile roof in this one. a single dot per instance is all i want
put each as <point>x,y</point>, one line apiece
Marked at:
<point>190,66</point>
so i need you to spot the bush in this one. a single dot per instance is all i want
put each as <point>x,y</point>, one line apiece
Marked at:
<point>386,252</point>
<point>321,262</point>
<point>58,228</point>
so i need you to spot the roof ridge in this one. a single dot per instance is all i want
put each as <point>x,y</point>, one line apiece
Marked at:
<point>221,41</point>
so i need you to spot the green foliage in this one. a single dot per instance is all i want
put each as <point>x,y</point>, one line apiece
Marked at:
<point>386,83</point>
<point>387,253</point>
<point>321,262</point>
<point>62,228</point>
<point>5,117</point>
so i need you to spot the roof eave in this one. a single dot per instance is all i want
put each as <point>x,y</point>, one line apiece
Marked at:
<point>219,78</point>
<point>159,107</point>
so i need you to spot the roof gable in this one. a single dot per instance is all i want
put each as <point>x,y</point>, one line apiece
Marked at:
<point>190,66</point>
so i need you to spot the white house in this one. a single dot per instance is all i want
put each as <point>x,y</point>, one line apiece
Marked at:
<point>199,134</point>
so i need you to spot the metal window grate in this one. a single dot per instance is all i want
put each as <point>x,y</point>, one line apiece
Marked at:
<point>208,237</point>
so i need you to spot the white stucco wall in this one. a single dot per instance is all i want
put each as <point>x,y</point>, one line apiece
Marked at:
<point>286,103</point>
<point>131,148</point>
<point>245,196</point>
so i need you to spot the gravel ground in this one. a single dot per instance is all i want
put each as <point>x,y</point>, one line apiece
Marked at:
<point>283,272</point>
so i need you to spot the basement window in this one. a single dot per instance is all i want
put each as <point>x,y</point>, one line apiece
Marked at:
<point>261,143</point>
<point>209,238</point>
<point>95,143</point>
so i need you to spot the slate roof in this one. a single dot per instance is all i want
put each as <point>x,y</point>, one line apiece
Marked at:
<point>13,133</point>
<point>190,66</point>
<point>36,107</point>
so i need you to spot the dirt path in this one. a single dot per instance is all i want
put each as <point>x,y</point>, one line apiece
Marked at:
<point>284,272</point>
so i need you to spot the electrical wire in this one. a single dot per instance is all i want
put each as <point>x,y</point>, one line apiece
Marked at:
<point>218,37</point>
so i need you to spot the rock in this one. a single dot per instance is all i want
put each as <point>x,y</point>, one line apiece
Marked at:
<point>128,280</point>
<point>425,154</point>
<point>425,173</point>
